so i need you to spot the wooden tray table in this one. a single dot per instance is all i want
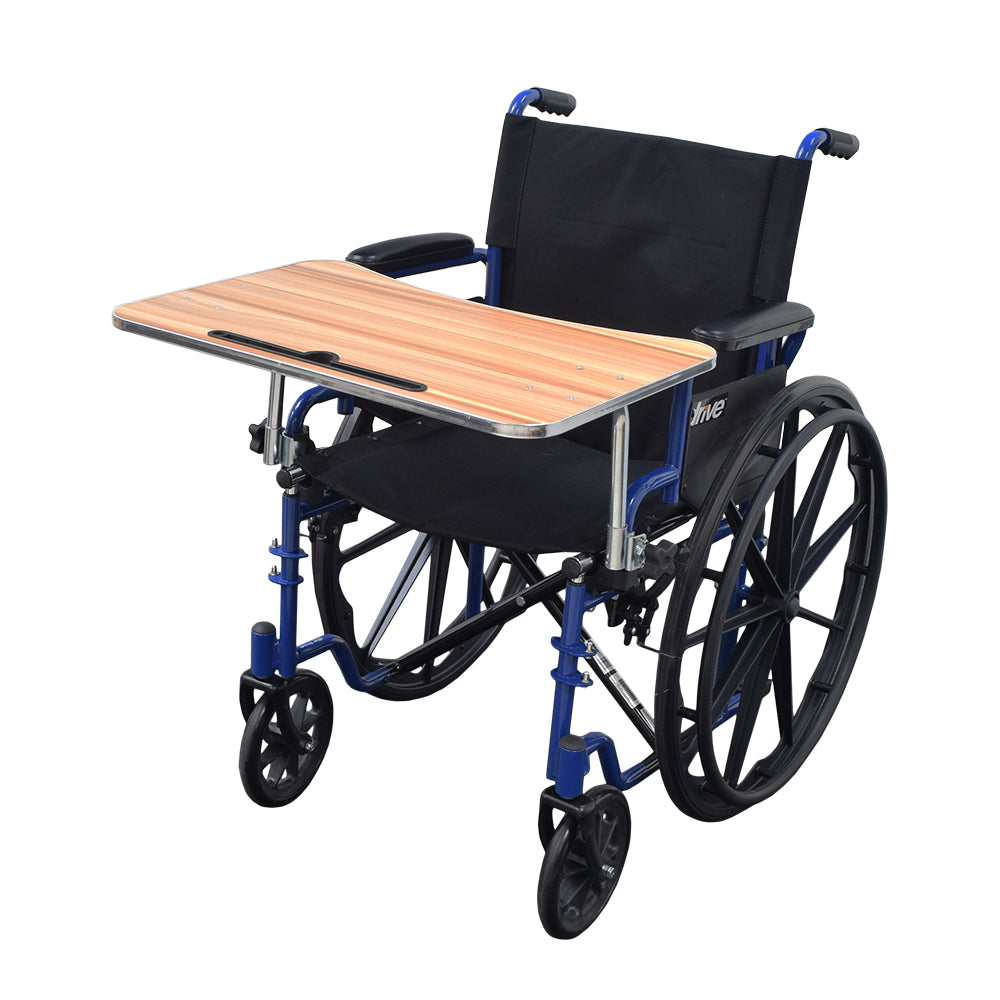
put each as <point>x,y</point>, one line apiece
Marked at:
<point>339,325</point>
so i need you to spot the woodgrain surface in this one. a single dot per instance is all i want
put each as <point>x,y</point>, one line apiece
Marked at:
<point>480,364</point>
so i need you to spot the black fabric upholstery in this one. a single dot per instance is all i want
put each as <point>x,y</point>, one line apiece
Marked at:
<point>641,233</point>
<point>628,231</point>
<point>781,229</point>
<point>548,495</point>
<point>712,434</point>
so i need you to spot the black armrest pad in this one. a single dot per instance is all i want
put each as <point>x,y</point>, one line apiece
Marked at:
<point>755,325</point>
<point>412,251</point>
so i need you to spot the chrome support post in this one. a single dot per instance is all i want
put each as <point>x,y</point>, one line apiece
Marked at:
<point>625,549</point>
<point>617,556</point>
<point>273,430</point>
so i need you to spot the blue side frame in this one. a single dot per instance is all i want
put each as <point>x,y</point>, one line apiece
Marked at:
<point>568,756</point>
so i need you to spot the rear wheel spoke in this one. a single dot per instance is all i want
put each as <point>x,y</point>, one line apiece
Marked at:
<point>440,559</point>
<point>377,540</point>
<point>811,616</point>
<point>762,574</point>
<point>414,563</point>
<point>753,644</point>
<point>827,542</point>
<point>812,500</point>
<point>751,696</point>
<point>740,618</point>
<point>781,679</point>
<point>779,542</point>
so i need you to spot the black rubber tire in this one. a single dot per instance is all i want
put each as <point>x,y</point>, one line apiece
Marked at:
<point>571,895</point>
<point>272,773</point>
<point>707,777</point>
<point>440,557</point>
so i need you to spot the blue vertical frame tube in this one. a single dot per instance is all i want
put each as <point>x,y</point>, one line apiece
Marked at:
<point>289,580</point>
<point>566,675</point>
<point>677,430</point>
<point>494,258</point>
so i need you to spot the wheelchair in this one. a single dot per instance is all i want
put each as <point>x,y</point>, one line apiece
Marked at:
<point>750,508</point>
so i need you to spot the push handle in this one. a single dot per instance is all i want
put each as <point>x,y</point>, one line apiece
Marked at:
<point>554,102</point>
<point>833,143</point>
<point>841,144</point>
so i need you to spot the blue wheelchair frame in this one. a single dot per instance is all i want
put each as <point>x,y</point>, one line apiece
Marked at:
<point>568,756</point>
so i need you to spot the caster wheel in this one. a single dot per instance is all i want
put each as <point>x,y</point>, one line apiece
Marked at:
<point>273,770</point>
<point>575,885</point>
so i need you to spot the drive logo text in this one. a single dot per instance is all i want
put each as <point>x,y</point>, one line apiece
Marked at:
<point>708,409</point>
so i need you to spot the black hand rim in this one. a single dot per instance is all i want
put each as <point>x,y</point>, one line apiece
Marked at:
<point>721,792</point>
<point>273,772</point>
<point>571,896</point>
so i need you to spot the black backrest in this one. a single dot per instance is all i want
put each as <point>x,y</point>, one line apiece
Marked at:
<point>641,233</point>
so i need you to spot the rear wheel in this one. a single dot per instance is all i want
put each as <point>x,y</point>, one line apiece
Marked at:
<point>765,624</point>
<point>385,589</point>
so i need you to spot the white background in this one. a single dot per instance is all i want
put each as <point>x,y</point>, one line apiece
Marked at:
<point>149,148</point>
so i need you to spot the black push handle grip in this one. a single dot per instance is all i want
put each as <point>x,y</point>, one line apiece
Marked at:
<point>841,144</point>
<point>554,102</point>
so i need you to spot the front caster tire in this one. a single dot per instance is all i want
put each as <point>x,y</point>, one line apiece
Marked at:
<point>274,768</point>
<point>575,882</point>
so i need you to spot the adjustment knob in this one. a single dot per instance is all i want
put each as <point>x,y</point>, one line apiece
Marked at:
<point>257,432</point>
